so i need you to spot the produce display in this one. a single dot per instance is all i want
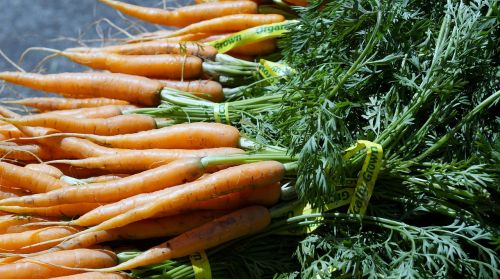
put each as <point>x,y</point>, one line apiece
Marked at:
<point>261,139</point>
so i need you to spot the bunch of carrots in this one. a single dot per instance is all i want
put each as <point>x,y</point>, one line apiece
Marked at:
<point>81,172</point>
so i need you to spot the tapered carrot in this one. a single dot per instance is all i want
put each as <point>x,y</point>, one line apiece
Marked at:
<point>182,136</point>
<point>121,124</point>
<point>63,210</point>
<point>175,173</point>
<point>154,48</point>
<point>185,15</point>
<point>10,131</point>
<point>52,264</point>
<point>167,66</point>
<point>14,242</point>
<point>52,103</point>
<point>47,169</point>
<point>94,275</point>
<point>80,173</point>
<point>35,182</point>
<point>239,223</point>
<point>134,89</point>
<point>93,112</point>
<point>104,178</point>
<point>234,179</point>
<point>25,153</point>
<point>228,24</point>
<point>163,34</point>
<point>141,160</point>
<point>15,223</point>
<point>206,89</point>
<point>151,228</point>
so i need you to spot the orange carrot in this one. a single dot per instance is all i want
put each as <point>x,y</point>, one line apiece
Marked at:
<point>80,173</point>
<point>30,180</point>
<point>104,178</point>
<point>175,173</point>
<point>164,33</point>
<point>137,90</point>
<point>234,179</point>
<point>15,223</point>
<point>94,275</point>
<point>150,228</point>
<point>206,89</point>
<point>185,15</point>
<point>182,136</point>
<point>166,66</point>
<point>154,48</point>
<point>25,153</point>
<point>229,23</point>
<point>10,131</point>
<point>47,169</point>
<point>6,192</point>
<point>52,264</point>
<point>63,210</point>
<point>50,104</point>
<point>239,223</point>
<point>121,124</point>
<point>141,160</point>
<point>14,242</point>
<point>94,112</point>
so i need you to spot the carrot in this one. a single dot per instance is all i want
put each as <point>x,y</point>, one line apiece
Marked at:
<point>185,15</point>
<point>8,260</point>
<point>63,210</point>
<point>6,192</point>
<point>15,223</point>
<point>141,160</point>
<point>166,66</point>
<point>239,223</point>
<point>214,1</point>
<point>121,124</point>
<point>175,173</point>
<point>94,112</point>
<point>94,275</point>
<point>182,136</point>
<point>104,178</point>
<point>164,33</point>
<point>52,264</point>
<point>234,179</point>
<point>47,169</point>
<point>10,131</point>
<point>80,173</point>
<point>254,49</point>
<point>134,89</point>
<point>51,104</point>
<point>26,153</point>
<point>155,48</point>
<point>14,242</point>
<point>229,23</point>
<point>150,228</point>
<point>206,89</point>
<point>30,180</point>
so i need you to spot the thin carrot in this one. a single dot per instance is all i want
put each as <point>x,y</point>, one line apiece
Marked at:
<point>47,169</point>
<point>134,89</point>
<point>104,178</point>
<point>239,223</point>
<point>94,275</point>
<point>14,242</point>
<point>121,124</point>
<point>163,66</point>
<point>229,23</point>
<point>141,160</point>
<point>10,131</point>
<point>15,223</point>
<point>206,89</point>
<point>150,228</point>
<point>51,104</point>
<point>154,48</point>
<point>52,264</point>
<point>234,179</point>
<point>182,136</point>
<point>63,210</point>
<point>80,173</point>
<point>163,34</point>
<point>30,180</point>
<point>25,153</point>
<point>94,112</point>
<point>175,173</point>
<point>185,15</point>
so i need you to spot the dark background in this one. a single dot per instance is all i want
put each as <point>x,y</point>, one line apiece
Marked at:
<point>60,24</point>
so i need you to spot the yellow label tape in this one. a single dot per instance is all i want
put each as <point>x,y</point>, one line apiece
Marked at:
<point>221,110</point>
<point>201,266</point>
<point>367,176</point>
<point>251,35</point>
<point>268,69</point>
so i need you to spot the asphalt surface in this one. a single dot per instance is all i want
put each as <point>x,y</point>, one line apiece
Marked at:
<point>59,24</point>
